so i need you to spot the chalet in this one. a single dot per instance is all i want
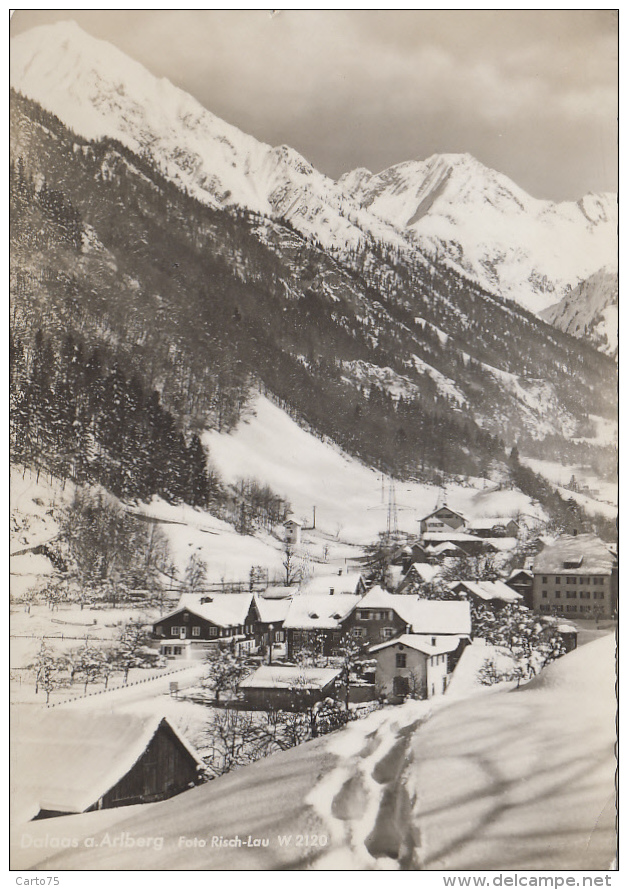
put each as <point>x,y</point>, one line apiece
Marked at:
<point>272,614</point>
<point>493,527</point>
<point>576,577</point>
<point>521,580</point>
<point>441,520</point>
<point>317,621</point>
<point>420,575</point>
<point>377,617</point>
<point>293,528</point>
<point>447,550</point>
<point>413,551</point>
<point>408,665</point>
<point>289,687</point>
<point>495,594</point>
<point>201,621</point>
<point>73,761</point>
<point>471,545</point>
<point>381,616</point>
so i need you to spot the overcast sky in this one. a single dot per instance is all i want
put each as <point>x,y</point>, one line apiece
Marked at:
<point>531,93</point>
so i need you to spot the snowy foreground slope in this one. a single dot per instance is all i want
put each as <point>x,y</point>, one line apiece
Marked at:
<point>519,779</point>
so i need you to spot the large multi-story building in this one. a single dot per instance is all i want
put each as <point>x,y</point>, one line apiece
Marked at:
<point>576,577</point>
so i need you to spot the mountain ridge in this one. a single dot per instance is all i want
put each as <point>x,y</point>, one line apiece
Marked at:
<point>434,207</point>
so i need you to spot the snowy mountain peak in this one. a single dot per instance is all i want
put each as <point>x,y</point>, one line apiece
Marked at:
<point>449,204</point>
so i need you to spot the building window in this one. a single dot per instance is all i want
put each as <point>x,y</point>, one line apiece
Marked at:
<point>186,617</point>
<point>213,631</point>
<point>544,579</point>
<point>557,594</point>
<point>159,630</point>
<point>359,632</point>
<point>177,650</point>
<point>388,632</point>
<point>557,580</point>
<point>167,650</point>
<point>196,631</point>
<point>544,594</point>
<point>174,631</point>
<point>401,659</point>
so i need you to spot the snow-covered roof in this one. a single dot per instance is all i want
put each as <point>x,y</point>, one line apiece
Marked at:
<point>321,584</point>
<point>418,642</point>
<point>66,759</point>
<point>276,593</point>
<point>222,609</point>
<point>396,574</point>
<point>446,547</point>
<point>490,522</point>
<point>575,555</point>
<point>425,571</point>
<point>516,572</point>
<point>440,509</point>
<point>490,590</point>
<point>450,536</point>
<point>291,520</point>
<point>423,616</point>
<point>286,677</point>
<point>320,611</point>
<point>272,611</point>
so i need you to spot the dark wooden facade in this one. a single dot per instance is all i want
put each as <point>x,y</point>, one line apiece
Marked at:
<point>186,625</point>
<point>165,768</point>
<point>374,625</point>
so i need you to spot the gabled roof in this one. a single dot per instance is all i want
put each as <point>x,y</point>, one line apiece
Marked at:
<point>489,590</point>
<point>423,616</point>
<point>445,547</point>
<point>287,677</point>
<point>278,593</point>
<point>417,642</point>
<point>292,520</point>
<point>323,584</point>
<point>325,612</point>
<point>451,536</point>
<point>516,572</point>
<point>65,759</point>
<point>490,522</point>
<point>438,510</point>
<point>592,554</point>
<point>221,609</point>
<point>272,611</point>
<point>425,571</point>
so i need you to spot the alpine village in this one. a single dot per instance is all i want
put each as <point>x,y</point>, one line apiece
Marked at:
<point>284,469</point>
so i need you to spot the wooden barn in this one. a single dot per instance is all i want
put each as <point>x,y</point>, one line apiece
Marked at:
<point>71,760</point>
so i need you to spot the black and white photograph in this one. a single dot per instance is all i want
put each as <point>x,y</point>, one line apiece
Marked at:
<point>313,424</point>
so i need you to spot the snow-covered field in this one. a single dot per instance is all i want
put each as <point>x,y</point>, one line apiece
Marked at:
<point>351,499</point>
<point>514,779</point>
<point>604,501</point>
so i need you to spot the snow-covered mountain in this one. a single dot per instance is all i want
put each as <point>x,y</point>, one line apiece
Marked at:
<point>590,311</point>
<point>524,248</point>
<point>448,205</point>
<point>98,91</point>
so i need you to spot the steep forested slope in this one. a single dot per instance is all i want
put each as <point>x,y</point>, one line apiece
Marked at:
<point>201,303</point>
